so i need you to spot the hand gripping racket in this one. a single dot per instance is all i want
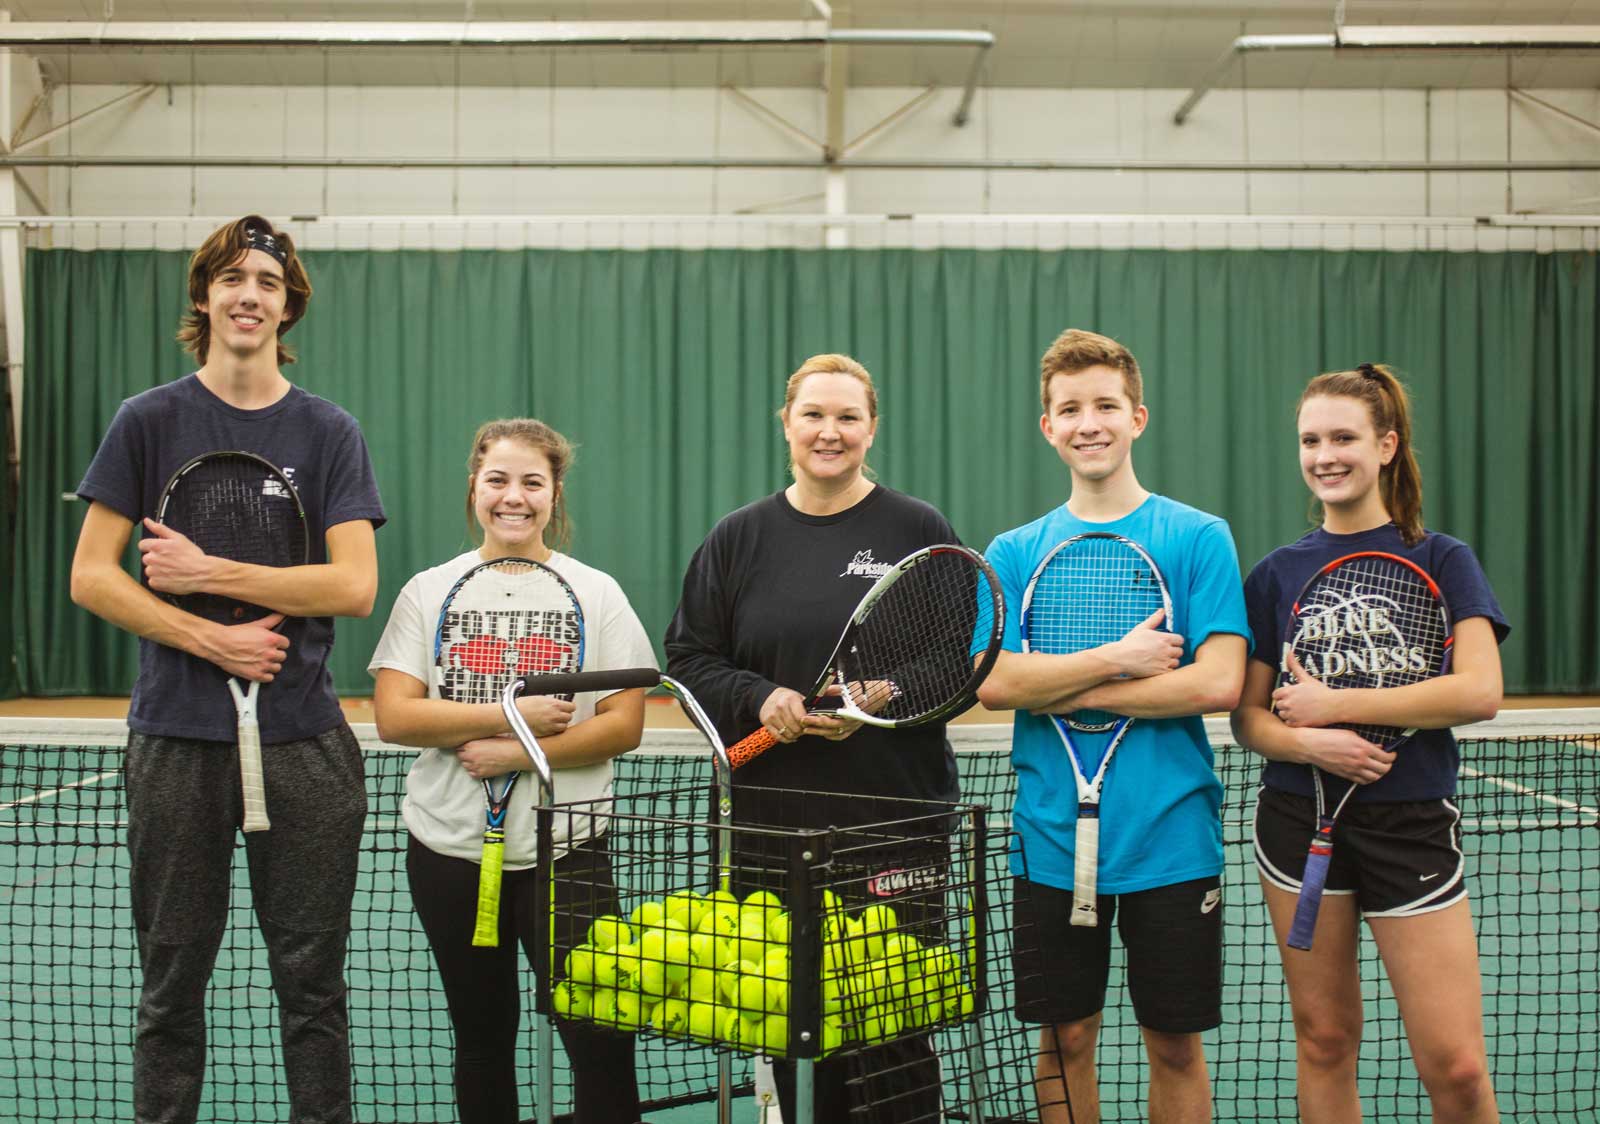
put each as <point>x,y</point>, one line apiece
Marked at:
<point>907,656</point>
<point>503,620</point>
<point>1091,590</point>
<point>237,506</point>
<point>1364,620</point>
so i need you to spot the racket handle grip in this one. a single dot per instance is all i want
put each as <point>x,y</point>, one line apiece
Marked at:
<point>749,748</point>
<point>570,683</point>
<point>1086,869</point>
<point>1305,910</point>
<point>486,929</point>
<point>252,780</point>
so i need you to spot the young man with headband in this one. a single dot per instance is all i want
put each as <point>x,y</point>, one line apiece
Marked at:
<point>1160,857</point>
<point>247,288</point>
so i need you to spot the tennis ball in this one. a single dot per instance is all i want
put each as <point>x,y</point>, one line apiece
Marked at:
<point>603,1007</point>
<point>764,900</point>
<point>629,967</point>
<point>709,949</point>
<point>702,985</point>
<point>580,964</point>
<point>958,1003</point>
<point>831,903</point>
<point>880,1025</point>
<point>775,1034</point>
<point>633,1010</point>
<point>678,955</point>
<point>572,1001</point>
<point>728,977</point>
<point>720,920</point>
<point>752,937</point>
<point>656,970</point>
<point>685,907</point>
<point>671,1017</point>
<point>742,1031</point>
<point>878,922</point>
<point>604,972</point>
<point>648,914</point>
<point>609,931</point>
<point>718,899</point>
<point>778,929</point>
<point>749,989</point>
<point>703,1021</point>
<point>775,965</point>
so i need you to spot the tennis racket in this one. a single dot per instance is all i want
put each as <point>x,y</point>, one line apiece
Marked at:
<point>502,620</point>
<point>1364,620</point>
<point>1093,589</point>
<point>241,507</point>
<point>907,654</point>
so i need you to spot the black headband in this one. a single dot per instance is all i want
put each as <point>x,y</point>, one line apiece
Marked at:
<point>267,243</point>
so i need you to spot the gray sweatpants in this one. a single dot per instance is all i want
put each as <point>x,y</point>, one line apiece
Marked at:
<point>184,808</point>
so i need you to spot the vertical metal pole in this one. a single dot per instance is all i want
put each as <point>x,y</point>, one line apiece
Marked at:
<point>977,871</point>
<point>805,1091</point>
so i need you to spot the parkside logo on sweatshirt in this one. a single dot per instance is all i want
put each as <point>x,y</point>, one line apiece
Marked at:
<point>863,566</point>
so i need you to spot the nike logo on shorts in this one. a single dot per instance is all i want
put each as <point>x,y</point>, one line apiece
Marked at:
<point>1209,902</point>
<point>1427,877</point>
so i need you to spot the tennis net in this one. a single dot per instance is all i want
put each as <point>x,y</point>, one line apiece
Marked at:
<point>69,980</point>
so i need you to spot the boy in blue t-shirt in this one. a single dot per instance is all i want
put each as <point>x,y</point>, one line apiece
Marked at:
<point>1160,835</point>
<point>247,287</point>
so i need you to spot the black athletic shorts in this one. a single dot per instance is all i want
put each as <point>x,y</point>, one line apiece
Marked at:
<point>1398,859</point>
<point>1173,937</point>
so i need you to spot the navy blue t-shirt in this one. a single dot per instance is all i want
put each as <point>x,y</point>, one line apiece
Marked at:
<point>1426,764</point>
<point>320,449</point>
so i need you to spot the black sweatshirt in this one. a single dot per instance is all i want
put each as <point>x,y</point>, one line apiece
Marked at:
<point>764,601</point>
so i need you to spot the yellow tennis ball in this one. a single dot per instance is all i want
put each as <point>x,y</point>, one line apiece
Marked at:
<point>633,1010</point>
<point>671,1017</point>
<point>764,900</point>
<point>580,964</point>
<point>629,967</point>
<point>702,985</point>
<point>609,931</point>
<point>703,1021</point>
<point>603,1007</point>
<point>833,1036</point>
<point>648,914</point>
<point>778,929</point>
<point>572,1001</point>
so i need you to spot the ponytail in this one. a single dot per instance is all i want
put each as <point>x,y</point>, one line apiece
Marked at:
<point>1389,407</point>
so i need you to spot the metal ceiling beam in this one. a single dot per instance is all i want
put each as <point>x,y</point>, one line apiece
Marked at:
<point>452,35</point>
<point>1381,37</point>
<point>623,163</point>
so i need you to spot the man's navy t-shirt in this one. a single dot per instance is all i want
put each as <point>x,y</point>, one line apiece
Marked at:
<point>320,449</point>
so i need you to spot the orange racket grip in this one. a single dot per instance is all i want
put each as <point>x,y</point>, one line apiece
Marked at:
<point>748,749</point>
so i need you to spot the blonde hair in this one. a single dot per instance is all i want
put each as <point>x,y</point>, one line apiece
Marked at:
<point>1389,407</point>
<point>223,248</point>
<point>536,435</point>
<point>1075,350</point>
<point>831,364</point>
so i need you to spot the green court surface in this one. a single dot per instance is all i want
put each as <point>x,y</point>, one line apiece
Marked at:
<point>69,981</point>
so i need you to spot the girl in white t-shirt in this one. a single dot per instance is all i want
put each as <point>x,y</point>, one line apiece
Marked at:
<point>515,496</point>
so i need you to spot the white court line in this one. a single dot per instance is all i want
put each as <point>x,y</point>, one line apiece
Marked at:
<point>57,791</point>
<point>1522,790</point>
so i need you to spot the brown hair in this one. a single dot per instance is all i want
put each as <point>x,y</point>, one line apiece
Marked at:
<point>831,364</point>
<point>1075,350</point>
<point>1389,407</point>
<point>224,248</point>
<point>535,434</point>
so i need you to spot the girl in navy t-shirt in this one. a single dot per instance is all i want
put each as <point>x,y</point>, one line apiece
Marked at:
<point>1397,847</point>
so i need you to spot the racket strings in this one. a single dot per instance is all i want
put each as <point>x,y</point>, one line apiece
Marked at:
<point>235,508</point>
<point>1374,623</point>
<point>910,655</point>
<point>1092,592</point>
<point>506,620</point>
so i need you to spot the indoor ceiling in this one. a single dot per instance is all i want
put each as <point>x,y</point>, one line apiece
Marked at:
<point>1039,43</point>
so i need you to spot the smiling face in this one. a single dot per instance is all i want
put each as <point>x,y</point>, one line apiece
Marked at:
<point>829,427</point>
<point>1091,422</point>
<point>1341,454</point>
<point>513,495</point>
<point>245,303</point>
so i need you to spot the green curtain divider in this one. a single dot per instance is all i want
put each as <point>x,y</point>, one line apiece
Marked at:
<point>8,671</point>
<point>666,366</point>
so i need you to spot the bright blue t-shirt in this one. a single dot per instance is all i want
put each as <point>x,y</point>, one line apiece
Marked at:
<point>1159,809</point>
<point>1427,762</point>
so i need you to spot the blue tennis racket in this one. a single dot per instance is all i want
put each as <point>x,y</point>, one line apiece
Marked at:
<point>502,620</point>
<point>1093,589</point>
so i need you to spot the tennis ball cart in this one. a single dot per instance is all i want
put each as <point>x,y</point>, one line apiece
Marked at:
<point>723,920</point>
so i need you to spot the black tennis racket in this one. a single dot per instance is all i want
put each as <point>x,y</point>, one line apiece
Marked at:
<point>502,620</point>
<point>1364,620</point>
<point>906,656</point>
<point>1093,589</point>
<point>241,507</point>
